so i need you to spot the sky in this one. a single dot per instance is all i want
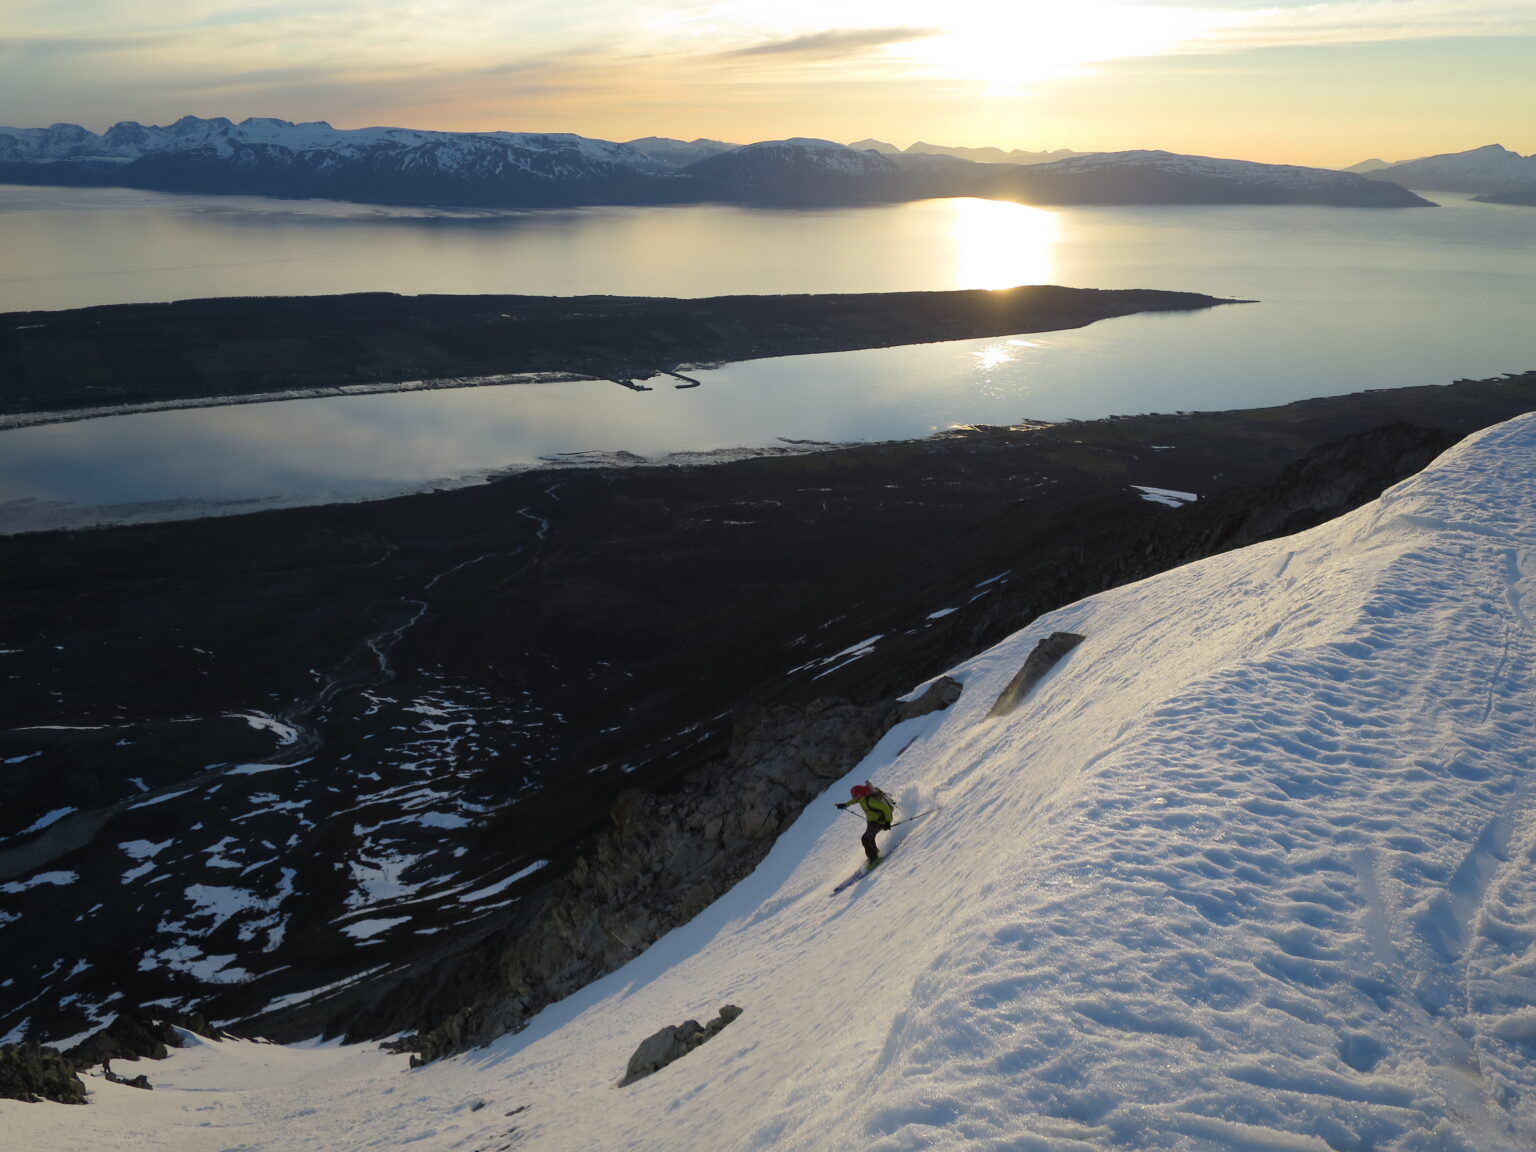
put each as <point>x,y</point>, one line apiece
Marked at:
<point>1326,83</point>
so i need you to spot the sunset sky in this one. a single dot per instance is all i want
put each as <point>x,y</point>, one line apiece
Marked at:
<point>1325,83</point>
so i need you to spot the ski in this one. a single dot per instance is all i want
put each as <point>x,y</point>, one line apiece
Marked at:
<point>856,877</point>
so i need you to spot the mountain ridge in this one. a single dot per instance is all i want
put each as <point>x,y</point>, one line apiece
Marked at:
<point>266,156</point>
<point>1490,170</point>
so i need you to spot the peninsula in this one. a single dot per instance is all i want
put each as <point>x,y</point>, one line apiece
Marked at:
<point>86,361</point>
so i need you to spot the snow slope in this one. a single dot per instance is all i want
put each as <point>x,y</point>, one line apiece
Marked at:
<point>1250,869</point>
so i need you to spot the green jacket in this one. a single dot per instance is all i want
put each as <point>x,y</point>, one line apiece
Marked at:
<point>875,809</point>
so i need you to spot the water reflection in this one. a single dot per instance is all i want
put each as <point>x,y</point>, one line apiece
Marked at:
<point>1001,352</point>
<point>70,248</point>
<point>1351,299</point>
<point>997,244</point>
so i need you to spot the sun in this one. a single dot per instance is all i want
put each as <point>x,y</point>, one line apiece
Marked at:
<point>998,244</point>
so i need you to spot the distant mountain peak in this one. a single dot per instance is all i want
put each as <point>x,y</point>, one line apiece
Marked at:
<point>989,155</point>
<point>670,153</point>
<point>1489,169</point>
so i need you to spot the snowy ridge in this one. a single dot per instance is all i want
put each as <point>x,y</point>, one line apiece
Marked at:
<point>1491,168</point>
<point>553,154</point>
<point>992,155</point>
<point>799,152</point>
<point>679,153</point>
<point>1250,869</point>
<point>1245,171</point>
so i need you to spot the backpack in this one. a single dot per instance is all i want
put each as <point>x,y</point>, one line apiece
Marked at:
<point>880,794</point>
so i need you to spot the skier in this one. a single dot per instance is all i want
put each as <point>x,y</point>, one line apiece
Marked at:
<point>877,809</point>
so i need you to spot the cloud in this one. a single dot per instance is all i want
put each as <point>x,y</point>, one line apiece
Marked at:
<point>1365,22</point>
<point>835,43</point>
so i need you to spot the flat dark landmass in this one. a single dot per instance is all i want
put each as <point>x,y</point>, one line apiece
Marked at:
<point>1525,197</point>
<point>470,678</point>
<point>197,350</point>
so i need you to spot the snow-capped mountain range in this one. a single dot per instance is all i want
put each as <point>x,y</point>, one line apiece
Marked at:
<point>560,154</point>
<point>526,169</point>
<point>1250,868</point>
<point>263,155</point>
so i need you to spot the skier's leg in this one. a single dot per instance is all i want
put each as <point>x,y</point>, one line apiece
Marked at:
<point>868,840</point>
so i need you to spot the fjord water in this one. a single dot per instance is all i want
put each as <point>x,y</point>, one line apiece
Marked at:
<point>1348,299</point>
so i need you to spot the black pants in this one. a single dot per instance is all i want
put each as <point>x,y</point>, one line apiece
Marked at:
<point>868,839</point>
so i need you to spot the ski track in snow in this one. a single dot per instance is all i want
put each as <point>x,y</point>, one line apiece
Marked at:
<point>1253,868</point>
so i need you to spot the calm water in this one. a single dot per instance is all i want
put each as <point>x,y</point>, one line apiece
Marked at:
<point>1350,299</point>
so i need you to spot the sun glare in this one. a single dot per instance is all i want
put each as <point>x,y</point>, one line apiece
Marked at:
<point>1031,42</point>
<point>999,245</point>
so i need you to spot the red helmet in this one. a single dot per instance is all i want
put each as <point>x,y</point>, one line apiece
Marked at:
<point>859,791</point>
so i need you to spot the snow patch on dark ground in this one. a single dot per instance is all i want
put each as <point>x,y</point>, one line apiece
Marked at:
<point>1251,868</point>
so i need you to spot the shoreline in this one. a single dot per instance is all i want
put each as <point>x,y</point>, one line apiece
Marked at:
<point>116,359</point>
<point>34,419</point>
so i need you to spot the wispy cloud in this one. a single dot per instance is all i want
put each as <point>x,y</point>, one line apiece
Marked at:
<point>835,43</point>
<point>1362,22</point>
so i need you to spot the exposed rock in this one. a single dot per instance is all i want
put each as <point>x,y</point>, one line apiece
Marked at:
<point>665,858</point>
<point>139,1081</point>
<point>935,698</point>
<point>130,1037</point>
<point>32,1073</point>
<point>1045,656</point>
<point>673,1042</point>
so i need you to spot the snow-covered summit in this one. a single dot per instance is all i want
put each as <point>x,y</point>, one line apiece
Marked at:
<point>1491,168</point>
<point>679,153</point>
<point>798,167</point>
<point>1250,869</point>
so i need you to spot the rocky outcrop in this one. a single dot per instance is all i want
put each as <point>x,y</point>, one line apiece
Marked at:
<point>33,1073</point>
<point>935,698</point>
<point>139,1081</point>
<point>666,857</point>
<point>674,1042</point>
<point>133,1036</point>
<point>1045,656</point>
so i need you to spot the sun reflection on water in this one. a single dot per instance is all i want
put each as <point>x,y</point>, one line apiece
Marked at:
<point>998,244</point>
<point>1002,352</point>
